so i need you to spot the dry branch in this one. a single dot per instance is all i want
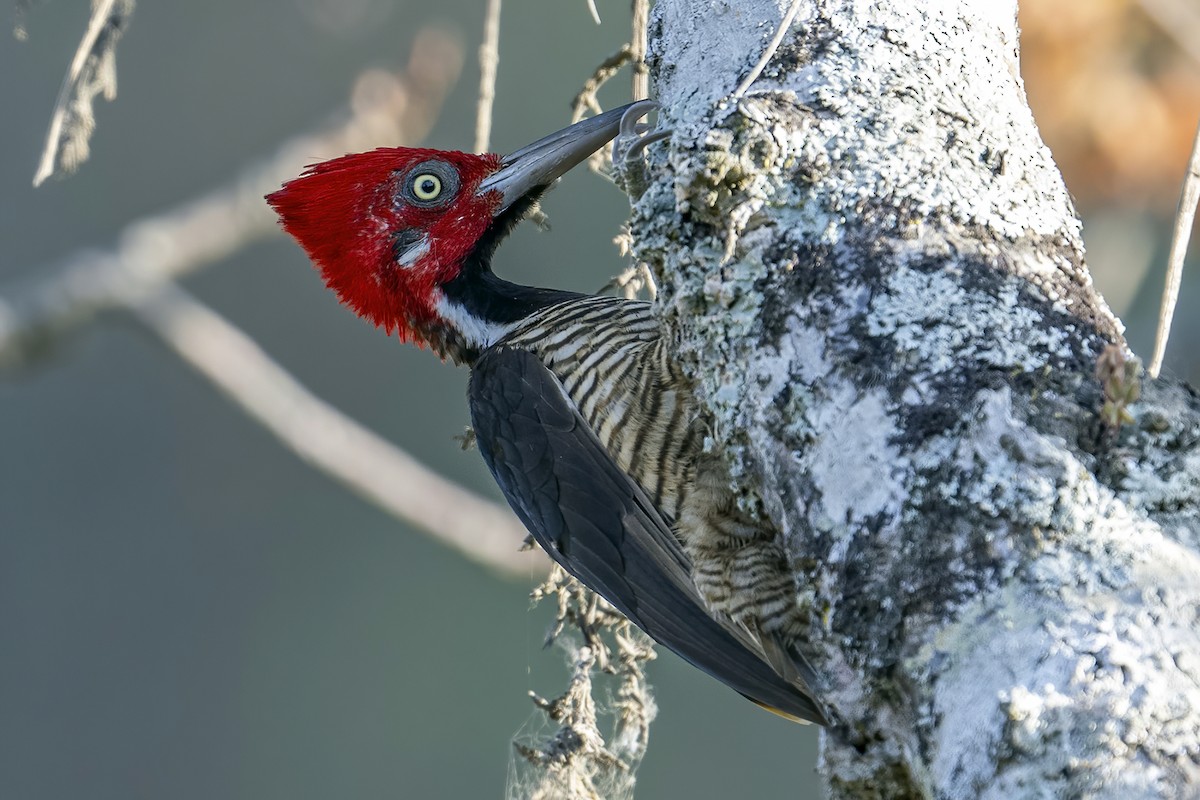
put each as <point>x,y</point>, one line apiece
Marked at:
<point>489,59</point>
<point>139,274</point>
<point>324,437</point>
<point>1186,215</point>
<point>780,31</point>
<point>385,109</point>
<point>93,71</point>
<point>637,49</point>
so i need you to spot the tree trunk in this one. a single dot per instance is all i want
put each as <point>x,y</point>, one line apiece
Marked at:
<point>877,279</point>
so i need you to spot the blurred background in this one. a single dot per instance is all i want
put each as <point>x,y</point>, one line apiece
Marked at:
<point>189,611</point>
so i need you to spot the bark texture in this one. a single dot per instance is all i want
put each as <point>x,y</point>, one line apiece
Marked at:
<point>877,280</point>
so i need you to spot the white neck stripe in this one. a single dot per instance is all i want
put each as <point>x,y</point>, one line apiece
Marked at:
<point>477,332</point>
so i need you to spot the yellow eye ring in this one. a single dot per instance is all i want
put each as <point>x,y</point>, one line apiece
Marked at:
<point>426,186</point>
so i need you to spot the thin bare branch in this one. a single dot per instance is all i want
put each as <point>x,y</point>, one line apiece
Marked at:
<point>324,437</point>
<point>634,52</point>
<point>637,49</point>
<point>1184,218</point>
<point>784,26</point>
<point>489,59</point>
<point>138,276</point>
<point>586,100</point>
<point>1178,18</point>
<point>93,71</point>
<point>591,4</point>
<point>384,109</point>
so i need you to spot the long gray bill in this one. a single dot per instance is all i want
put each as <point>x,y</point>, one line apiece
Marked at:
<point>549,158</point>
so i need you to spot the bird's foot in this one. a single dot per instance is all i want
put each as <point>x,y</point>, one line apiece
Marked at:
<point>633,138</point>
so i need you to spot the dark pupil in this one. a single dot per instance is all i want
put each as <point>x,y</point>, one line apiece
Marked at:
<point>427,185</point>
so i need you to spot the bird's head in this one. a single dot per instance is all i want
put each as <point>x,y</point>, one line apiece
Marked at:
<point>393,229</point>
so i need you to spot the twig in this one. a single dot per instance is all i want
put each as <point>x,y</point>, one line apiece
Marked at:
<point>634,52</point>
<point>1188,199</point>
<point>329,440</point>
<point>489,59</point>
<point>591,4</point>
<point>784,26</point>
<point>138,274</point>
<point>637,49</point>
<point>586,100</point>
<point>385,109</point>
<point>93,71</point>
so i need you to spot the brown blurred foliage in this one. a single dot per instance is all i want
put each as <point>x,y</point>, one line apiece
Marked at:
<point>1115,88</point>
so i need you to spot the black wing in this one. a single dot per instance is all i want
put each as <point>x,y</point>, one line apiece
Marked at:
<point>596,522</point>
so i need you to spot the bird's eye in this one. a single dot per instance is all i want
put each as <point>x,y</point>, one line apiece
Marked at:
<point>427,186</point>
<point>430,184</point>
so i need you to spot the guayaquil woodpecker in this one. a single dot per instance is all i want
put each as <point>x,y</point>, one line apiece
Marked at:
<point>583,416</point>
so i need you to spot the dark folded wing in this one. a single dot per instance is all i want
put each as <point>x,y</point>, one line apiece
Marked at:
<point>596,522</point>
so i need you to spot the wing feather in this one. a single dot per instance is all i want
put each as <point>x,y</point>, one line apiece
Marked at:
<point>595,521</point>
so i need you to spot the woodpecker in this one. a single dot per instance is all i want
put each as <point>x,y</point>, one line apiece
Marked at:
<point>584,418</point>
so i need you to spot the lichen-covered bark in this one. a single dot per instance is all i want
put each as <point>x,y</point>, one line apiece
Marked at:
<point>877,279</point>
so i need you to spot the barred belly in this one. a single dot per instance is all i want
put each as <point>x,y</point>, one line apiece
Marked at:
<point>613,363</point>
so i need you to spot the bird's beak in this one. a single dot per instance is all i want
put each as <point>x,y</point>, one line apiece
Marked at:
<point>538,165</point>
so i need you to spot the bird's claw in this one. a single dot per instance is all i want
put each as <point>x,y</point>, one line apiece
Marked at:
<point>632,138</point>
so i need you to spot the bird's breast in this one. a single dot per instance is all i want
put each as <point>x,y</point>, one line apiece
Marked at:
<point>614,366</point>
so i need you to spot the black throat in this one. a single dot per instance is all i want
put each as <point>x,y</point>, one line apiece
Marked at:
<point>489,298</point>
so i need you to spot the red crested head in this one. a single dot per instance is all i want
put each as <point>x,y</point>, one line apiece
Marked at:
<point>404,235</point>
<point>386,228</point>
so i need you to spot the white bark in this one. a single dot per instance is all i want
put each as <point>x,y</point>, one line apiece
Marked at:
<point>877,278</point>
